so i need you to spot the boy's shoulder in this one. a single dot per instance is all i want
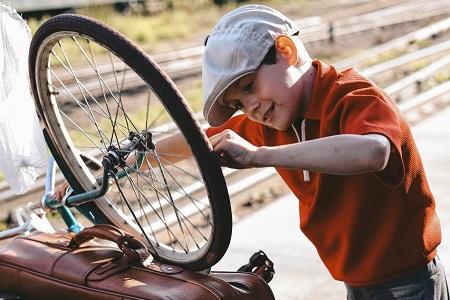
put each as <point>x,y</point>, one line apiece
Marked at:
<point>334,84</point>
<point>336,92</point>
<point>352,79</point>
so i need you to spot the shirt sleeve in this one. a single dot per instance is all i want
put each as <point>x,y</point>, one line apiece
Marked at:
<point>369,112</point>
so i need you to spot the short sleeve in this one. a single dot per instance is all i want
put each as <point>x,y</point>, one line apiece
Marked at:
<point>366,112</point>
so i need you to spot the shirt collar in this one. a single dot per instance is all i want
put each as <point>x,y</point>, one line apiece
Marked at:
<point>322,83</point>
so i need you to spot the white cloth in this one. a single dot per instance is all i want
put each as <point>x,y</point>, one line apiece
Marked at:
<point>23,152</point>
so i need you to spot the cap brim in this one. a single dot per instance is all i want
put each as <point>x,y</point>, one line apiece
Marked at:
<point>218,114</point>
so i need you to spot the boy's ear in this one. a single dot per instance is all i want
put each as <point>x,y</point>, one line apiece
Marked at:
<point>285,47</point>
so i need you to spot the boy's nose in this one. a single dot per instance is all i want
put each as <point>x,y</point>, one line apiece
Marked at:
<point>251,105</point>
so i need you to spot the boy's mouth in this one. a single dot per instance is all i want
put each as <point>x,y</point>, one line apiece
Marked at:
<point>269,112</point>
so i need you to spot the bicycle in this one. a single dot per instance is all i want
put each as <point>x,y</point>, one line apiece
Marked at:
<point>180,210</point>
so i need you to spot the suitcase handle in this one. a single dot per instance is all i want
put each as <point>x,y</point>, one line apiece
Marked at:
<point>134,250</point>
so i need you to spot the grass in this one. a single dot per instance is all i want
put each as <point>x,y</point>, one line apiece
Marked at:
<point>443,76</point>
<point>147,31</point>
<point>383,57</point>
<point>193,95</point>
<point>439,78</point>
<point>183,20</point>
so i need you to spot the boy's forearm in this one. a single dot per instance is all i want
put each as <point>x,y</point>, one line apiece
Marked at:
<point>339,155</point>
<point>170,149</point>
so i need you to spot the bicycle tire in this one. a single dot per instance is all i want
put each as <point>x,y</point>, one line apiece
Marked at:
<point>51,33</point>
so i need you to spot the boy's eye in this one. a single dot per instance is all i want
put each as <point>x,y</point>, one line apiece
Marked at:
<point>238,105</point>
<point>248,86</point>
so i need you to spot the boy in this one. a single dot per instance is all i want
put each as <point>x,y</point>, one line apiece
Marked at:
<point>340,144</point>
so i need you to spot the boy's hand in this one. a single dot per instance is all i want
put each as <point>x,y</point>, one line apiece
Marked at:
<point>60,190</point>
<point>234,151</point>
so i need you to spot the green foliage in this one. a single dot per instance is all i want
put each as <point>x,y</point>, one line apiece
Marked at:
<point>3,226</point>
<point>385,56</point>
<point>423,43</point>
<point>34,24</point>
<point>182,19</point>
<point>193,95</point>
<point>420,64</point>
<point>443,76</point>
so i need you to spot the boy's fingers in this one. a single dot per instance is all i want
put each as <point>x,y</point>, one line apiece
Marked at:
<point>220,137</point>
<point>60,190</point>
<point>216,138</point>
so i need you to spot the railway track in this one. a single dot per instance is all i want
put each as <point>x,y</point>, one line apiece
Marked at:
<point>422,104</point>
<point>187,62</point>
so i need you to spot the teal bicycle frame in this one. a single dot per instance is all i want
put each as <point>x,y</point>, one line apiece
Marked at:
<point>110,162</point>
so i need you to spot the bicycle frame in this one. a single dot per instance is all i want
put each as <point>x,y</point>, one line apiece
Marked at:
<point>33,215</point>
<point>28,216</point>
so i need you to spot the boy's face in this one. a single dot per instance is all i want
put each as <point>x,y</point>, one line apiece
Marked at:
<point>270,96</point>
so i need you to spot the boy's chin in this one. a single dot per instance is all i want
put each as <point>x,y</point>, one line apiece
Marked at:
<point>279,127</point>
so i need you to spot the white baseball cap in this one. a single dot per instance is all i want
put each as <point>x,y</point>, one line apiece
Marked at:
<point>236,47</point>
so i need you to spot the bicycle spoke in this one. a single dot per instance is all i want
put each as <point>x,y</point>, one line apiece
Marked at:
<point>70,70</point>
<point>171,234</point>
<point>132,212</point>
<point>161,217</point>
<point>101,78</point>
<point>187,194</point>
<point>84,132</point>
<point>80,86</point>
<point>101,82</point>
<point>88,114</point>
<point>172,201</point>
<point>119,89</point>
<point>113,124</point>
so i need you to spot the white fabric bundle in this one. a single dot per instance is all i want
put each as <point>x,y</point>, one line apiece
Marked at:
<point>23,152</point>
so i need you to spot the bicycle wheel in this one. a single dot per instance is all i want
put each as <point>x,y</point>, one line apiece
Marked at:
<point>95,90</point>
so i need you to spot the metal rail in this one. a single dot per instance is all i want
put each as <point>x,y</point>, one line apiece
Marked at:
<point>439,92</point>
<point>400,42</point>
<point>443,47</point>
<point>399,90</point>
<point>187,62</point>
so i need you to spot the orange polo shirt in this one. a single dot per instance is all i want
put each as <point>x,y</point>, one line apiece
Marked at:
<point>367,228</point>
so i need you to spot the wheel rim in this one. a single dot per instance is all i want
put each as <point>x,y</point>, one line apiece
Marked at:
<point>170,200</point>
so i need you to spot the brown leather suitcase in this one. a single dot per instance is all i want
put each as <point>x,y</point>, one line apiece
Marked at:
<point>67,266</point>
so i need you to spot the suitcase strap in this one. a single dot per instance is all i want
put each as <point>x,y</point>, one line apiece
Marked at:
<point>134,250</point>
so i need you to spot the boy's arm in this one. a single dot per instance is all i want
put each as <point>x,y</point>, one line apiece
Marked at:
<point>346,154</point>
<point>172,149</point>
